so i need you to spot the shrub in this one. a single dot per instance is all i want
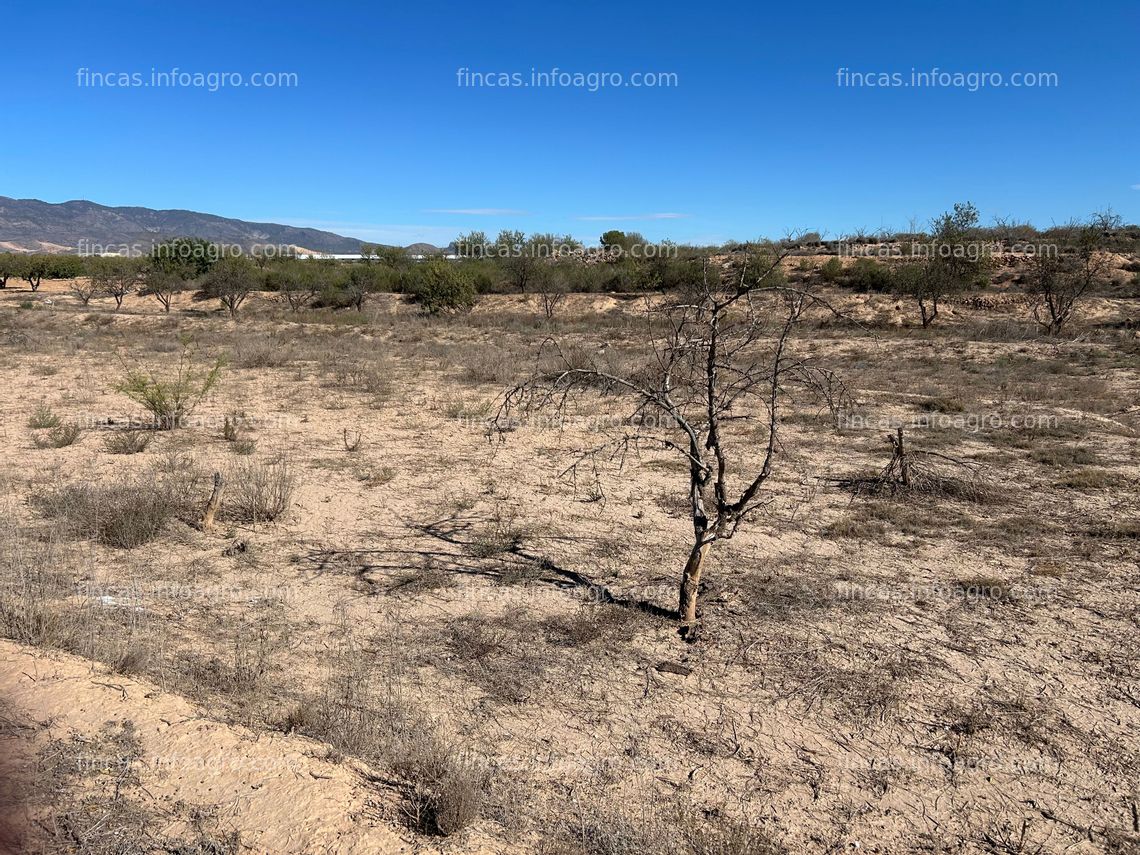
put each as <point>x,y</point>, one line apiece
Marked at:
<point>261,492</point>
<point>59,436</point>
<point>171,399</point>
<point>866,274</point>
<point>243,447</point>
<point>439,286</point>
<point>44,417</point>
<point>454,799</point>
<point>128,441</point>
<point>444,786</point>
<point>832,270</point>
<point>124,515</point>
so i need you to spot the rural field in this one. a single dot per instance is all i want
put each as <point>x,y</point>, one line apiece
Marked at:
<point>399,581</point>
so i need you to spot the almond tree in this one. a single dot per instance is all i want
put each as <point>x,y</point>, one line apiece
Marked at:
<point>1058,280</point>
<point>230,281</point>
<point>711,387</point>
<point>11,264</point>
<point>954,259</point>
<point>162,284</point>
<point>34,268</point>
<point>174,264</point>
<point>115,276</point>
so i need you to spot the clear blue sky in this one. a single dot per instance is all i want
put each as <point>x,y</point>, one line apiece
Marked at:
<point>379,141</point>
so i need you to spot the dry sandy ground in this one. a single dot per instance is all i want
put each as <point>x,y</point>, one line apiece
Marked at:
<point>274,790</point>
<point>916,675</point>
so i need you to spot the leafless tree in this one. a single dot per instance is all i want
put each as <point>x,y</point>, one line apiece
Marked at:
<point>711,386</point>
<point>84,287</point>
<point>552,287</point>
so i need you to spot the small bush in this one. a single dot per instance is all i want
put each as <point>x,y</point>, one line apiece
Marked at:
<point>60,436</point>
<point>454,799</point>
<point>171,399</point>
<point>440,286</point>
<point>260,492</point>
<point>128,441</point>
<point>832,270</point>
<point>123,515</point>
<point>44,417</point>
<point>243,447</point>
<point>443,785</point>
<point>866,274</point>
<point>497,536</point>
<point>1061,456</point>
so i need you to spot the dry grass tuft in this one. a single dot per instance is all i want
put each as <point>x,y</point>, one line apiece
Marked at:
<point>123,514</point>
<point>260,491</point>
<point>129,441</point>
<point>59,436</point>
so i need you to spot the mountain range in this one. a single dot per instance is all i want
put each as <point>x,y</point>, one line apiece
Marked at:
<point>82,227</point>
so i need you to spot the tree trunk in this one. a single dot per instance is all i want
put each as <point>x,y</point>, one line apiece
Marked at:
<point>691,582</point>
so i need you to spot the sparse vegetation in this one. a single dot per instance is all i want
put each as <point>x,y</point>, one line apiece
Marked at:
<point>171,398</point>
<point>479,637</point>
<point>44,417</point>
<point>60,436</point>
<point>129,441</point>
<point>123,514</point>
<point>260,491</point>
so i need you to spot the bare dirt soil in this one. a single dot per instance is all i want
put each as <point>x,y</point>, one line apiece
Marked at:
<point>417,654</point>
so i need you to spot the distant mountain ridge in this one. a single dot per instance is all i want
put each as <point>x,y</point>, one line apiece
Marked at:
<point>82,227</point>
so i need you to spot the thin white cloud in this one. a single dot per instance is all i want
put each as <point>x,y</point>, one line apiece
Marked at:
<point>1136,186</point>
<point>665,216</point>
<point>479,212</point>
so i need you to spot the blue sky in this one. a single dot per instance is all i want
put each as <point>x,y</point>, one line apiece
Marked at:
<point>378,139</point>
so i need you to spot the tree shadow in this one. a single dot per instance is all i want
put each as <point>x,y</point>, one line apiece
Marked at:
<point>452,545</point>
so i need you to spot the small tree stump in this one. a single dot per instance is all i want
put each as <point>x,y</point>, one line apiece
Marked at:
<point>215,500</point>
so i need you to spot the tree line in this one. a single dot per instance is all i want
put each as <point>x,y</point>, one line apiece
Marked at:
<point>928,267</point>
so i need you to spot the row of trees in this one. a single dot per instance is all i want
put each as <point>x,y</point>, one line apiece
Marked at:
<point>953,256</point>
<point>956,256</point>
<point>435,284</point>
<point>208,272</point>
<point>36,267</point>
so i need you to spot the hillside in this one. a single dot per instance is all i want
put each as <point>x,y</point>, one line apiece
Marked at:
<point>29,225</point>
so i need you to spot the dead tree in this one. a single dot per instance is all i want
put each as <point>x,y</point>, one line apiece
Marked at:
<point>922,473</point>
<point>710,385</point>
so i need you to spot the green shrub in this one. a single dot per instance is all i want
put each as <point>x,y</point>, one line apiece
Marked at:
<point>438,285</point>
<point>44,417</point>
<point>832,270</point>
<point>171,399</point>
<point>866,274</point>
